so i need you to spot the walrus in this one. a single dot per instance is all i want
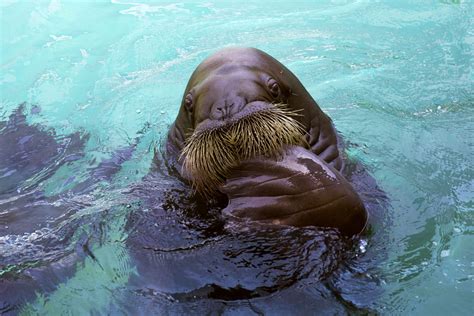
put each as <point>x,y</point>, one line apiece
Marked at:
<point>243,112</point>
<point>298,189</point>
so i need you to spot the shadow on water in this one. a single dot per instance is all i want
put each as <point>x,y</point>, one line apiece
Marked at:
<point>186,256</point>
<point>42,236</point>
<point>29,155</point>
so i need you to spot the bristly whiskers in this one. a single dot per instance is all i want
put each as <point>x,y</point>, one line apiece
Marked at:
<point>209,155</point>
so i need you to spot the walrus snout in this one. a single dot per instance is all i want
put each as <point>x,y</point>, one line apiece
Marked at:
<point>233,115</point>
<point>262,129</point>
<point>226,108</point>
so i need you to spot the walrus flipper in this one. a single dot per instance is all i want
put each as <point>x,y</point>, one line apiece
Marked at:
<point>299,189</point>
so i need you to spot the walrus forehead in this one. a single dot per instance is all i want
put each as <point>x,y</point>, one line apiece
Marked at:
<point>228,61</point>
<point>232,72</point>
<point>229,68</point>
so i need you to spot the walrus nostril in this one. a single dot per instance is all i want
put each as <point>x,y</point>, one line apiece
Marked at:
<point>225,110</point>
<point>219,112</point>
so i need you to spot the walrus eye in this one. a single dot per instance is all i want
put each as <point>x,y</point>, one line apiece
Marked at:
<point>274,88</point>
<point>188,103</point>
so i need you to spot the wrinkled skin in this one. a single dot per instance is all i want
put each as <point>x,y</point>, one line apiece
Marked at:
<point>298,189</point>
<point>234,80</point>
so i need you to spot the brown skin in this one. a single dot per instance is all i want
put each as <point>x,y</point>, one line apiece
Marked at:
<point>298,189</point>
<point>232,81</point>
<point>228,80</point>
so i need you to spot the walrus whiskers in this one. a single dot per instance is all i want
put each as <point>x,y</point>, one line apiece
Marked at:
<point>209,155</point>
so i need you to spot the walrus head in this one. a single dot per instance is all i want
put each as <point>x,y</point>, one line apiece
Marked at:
<point>233,111</point>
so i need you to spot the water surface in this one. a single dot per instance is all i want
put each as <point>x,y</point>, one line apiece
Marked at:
<point>85,226</point>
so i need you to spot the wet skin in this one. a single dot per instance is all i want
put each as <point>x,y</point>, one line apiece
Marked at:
<point>230,80</point>
<point>234,80</point>
<point>297,189</point>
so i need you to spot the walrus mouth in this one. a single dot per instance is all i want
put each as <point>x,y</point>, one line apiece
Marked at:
<point>210,153</point>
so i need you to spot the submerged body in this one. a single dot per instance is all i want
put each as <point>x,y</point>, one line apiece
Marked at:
<point>220,126</point>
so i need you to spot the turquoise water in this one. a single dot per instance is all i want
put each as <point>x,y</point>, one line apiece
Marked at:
<point>396,78</point>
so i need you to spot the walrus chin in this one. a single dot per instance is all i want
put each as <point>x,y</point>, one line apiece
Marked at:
<point>215,147</point>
